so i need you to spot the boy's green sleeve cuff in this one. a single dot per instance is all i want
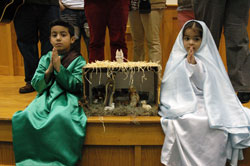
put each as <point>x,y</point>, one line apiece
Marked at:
<point>41,85</point>
<point>60,74</point>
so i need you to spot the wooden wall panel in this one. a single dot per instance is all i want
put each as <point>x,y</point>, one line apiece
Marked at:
<point>151,156</point>
<point>130,150</point>
<point>108,156</point>
<point>17,57</point>
<point>6,154</point>
<point>169,32</point>
<point>6,60</point>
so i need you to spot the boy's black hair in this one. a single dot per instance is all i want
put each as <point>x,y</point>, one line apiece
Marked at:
<point>193,25</point>
<point>64,24</point>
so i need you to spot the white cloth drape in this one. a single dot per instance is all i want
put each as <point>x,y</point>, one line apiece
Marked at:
<point>188,116</point>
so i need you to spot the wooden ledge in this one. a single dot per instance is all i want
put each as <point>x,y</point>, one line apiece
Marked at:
<point>114,119</point>
<point>124,130</point>
<point>124,119</point>
<point>113,130</point>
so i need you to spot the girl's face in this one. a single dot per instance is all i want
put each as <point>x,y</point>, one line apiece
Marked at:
<point>61,39</point>
<point>191,39</point>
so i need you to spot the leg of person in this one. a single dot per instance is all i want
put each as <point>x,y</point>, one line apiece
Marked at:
<point>47,14</point>
<point>117,22</point>
<point>96,14</point>
<point>237,47</point>
<point>137,33</point>
<point>84,29</point>
<point>72,17</point>
<point>151,23</point>
<point>212,13</point>
<point>27,39</point>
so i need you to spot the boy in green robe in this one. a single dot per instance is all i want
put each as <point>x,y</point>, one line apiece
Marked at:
<point>51,130</point>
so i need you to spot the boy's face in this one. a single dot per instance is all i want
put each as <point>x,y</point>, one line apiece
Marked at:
<point>60,39</point>
<point>191,38</point>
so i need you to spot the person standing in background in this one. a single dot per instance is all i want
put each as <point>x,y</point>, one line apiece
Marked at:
<point>233,16</point>
<point>106,13</point>
<point>72,11</point>
<point>185,11</point>
<point>32,25</point>
<point>145,20</point>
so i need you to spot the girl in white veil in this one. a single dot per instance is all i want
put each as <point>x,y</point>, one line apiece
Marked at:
<point>204,122</point>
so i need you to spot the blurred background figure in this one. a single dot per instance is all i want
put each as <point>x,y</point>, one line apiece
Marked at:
<point>145,19</point>
<point>72,11</point>
<point>233,16</point>
<point>106,13</point>
<point>32,25</point>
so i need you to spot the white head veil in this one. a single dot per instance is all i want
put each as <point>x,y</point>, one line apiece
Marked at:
<point>221,103</point>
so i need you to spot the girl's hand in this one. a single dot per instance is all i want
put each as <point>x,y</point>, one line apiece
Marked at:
<point>190,56</point>
<point>56,60</point>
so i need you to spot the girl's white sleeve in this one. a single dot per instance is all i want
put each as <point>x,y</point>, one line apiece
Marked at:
<point>196,73</point>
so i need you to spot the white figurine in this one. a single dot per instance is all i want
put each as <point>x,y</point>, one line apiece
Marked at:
<point>145,105</point>
<point>119,56</point>
<point>110,108</point>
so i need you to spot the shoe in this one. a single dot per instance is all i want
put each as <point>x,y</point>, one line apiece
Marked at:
<point>26,89</point>
<point>244,97</point>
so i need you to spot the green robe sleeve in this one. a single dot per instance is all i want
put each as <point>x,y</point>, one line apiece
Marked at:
<point>71,78</point>
<point>38,81</point>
